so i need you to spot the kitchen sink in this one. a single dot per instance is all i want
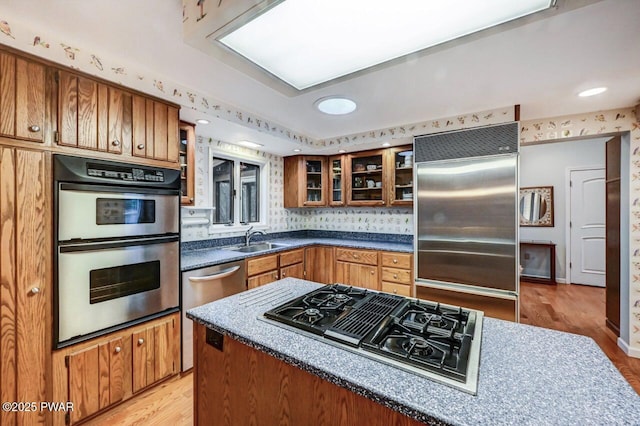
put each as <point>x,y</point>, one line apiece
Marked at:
<point>257,247</point>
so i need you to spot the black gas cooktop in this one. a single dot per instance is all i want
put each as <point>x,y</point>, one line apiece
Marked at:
<point>438,341</point>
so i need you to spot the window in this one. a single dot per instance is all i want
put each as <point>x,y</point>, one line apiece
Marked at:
<point>238,192</point>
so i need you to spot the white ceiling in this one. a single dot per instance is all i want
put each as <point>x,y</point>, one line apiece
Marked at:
<point>541,66</point>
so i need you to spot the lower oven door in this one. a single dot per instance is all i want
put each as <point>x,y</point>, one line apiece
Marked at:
<point>104,286</point>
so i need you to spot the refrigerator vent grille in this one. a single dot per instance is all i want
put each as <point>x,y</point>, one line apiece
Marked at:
<point>478,142</point>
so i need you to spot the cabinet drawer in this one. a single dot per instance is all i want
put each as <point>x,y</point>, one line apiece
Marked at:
<point>365,257</point>
<point>291,257</point>
<point>400,289</point>
<point>262,264</point>
<point>397,260</point>
<point>402,276</point>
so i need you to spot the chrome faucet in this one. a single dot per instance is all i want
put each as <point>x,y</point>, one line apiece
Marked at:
<point>249,234</point>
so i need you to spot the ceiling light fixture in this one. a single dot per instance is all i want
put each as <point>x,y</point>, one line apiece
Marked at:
<point>297,150</point>
<point>386,144</point>
<point>342,151</point>
<point>307,42</point>
<point>592,92</point>
<point>202,121</point>
<point>249,144</point>
<point>336,105</point>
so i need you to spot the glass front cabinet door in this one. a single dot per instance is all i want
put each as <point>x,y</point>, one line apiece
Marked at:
<point>401,184</point>
<point>366,185</point>
<point>305,181</point>
<point>336,180</point>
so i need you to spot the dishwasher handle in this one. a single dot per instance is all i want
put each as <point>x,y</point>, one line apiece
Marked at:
<point>218,275</point>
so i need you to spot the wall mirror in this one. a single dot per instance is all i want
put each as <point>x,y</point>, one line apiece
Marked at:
<point>536,206</point>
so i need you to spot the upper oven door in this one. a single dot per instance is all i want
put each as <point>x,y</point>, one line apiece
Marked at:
<point>97,211</point>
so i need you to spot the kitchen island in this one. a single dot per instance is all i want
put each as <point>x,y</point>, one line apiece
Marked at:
<point>270,375</point>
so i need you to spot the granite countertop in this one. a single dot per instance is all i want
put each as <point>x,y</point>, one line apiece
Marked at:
<point>194,259</point>
<point>528,375</point>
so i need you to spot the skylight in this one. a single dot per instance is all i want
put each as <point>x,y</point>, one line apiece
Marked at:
<point>309,42</point>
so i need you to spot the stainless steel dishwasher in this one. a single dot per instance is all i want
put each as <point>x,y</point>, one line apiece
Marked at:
<point>202,286</point>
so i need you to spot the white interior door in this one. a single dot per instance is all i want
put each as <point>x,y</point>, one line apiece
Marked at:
<point>587,227</point>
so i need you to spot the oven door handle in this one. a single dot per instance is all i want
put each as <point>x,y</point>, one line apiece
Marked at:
<point>122,190</point>
<point>102,245</point>
<point>219,275</point>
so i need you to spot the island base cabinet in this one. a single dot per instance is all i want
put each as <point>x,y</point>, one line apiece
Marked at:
<point>239,385</point>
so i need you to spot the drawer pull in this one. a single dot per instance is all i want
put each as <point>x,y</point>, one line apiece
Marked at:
<point>115,142</point>
<point>140,341</point>
<point>35,290</point>
<point>355,256</point>
<point>395,291</point>
<point>395,260</point>
<point>395,276</point>
<point>35,128</point>
<point>141,146</point>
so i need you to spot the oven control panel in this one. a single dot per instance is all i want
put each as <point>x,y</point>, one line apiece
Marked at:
<point>130,174</point>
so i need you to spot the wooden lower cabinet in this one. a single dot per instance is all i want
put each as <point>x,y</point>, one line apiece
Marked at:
<point>267,269</point>
<point>239,385</point>
<point>358,268</point>
<point>357,275</point>
<point>97,374</point>
<point>319,264</point>
<point>397,273</point>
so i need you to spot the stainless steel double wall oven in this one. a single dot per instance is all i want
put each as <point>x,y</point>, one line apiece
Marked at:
<point>117,246</point>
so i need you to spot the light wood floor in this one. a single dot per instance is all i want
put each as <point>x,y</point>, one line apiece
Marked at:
<point>572,308</point>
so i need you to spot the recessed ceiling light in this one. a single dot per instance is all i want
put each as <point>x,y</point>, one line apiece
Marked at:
<point>386,144</point>
<point>592,92</point>
<point>342,151</point>
<point>250,144</point>
<point>336,105</point>
<point>202,121</point>
<point>309,42</point>
<point>297,150</point>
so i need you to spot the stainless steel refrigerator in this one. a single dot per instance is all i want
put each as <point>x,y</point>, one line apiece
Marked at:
<point>466,220</point>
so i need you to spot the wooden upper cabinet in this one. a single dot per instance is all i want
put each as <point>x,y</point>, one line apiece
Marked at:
<point>367,182</point>
<point>306,181</point>
<point>22,98</point>
<point>92,115</point>
<point>336,180</point>
<point>400,176</point>
<point>187,162</point>
<point>155,130</point>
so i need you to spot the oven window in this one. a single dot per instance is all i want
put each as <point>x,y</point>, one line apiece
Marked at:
<point>120,281</point>
<point>117,211</point>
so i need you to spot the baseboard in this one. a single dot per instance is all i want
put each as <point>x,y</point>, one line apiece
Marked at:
<point>561,280</point>
<point>632,352</point>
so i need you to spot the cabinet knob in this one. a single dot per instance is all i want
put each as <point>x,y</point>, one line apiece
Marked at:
<point>115,142</point>
<point>373,272</point>
<point>140,341</point>
<point>275,276</point>
<point>355,256</point>
<point>34,128</point>
<point>117,349</point>
<point>395,276</point>
<point>284,274</point>
<point>395,291</point>
<point>35,290</point>
<point>141,146</point>
<point>395,260</point>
